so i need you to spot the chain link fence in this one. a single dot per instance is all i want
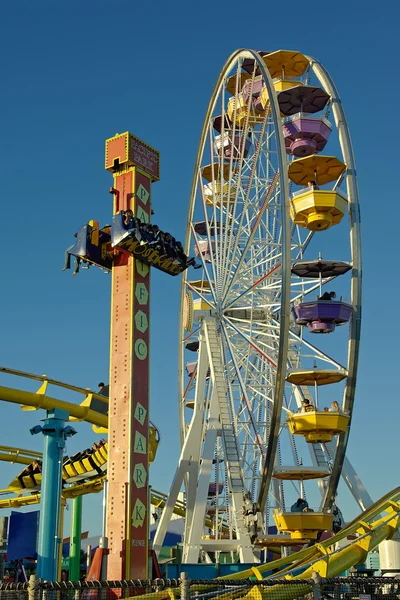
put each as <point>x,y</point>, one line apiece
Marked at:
<point>338,588</point>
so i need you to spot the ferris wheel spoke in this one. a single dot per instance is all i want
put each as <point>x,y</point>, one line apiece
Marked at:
<point>252,234</point>
<point>231,210</point>
<point>201,296</point>
<point>231,207</point>
<point>318,353</point>
<point>245,205</point>
<point>253,345</point>
<point>214,260</point>
<point>252,287</point>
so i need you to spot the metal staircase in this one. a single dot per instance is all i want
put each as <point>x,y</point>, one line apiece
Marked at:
<point>235,475</point>
<point>234,471</point>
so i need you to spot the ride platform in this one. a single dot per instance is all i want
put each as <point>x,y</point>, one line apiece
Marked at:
<point>303,525</point>
<point>200,286</point>
<point>93,245</point>
<point>125,241</point>
<point>236,82</point>
<point>305,135</point>
<point>255,90</point>
<point>217,193</point>
<point>317,210</point>
<point>300,473</point>
<point>318,426</point>
<point>232,146</point>
<point>322,316</point>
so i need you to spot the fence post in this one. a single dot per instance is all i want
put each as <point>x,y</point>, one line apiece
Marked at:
<point>184,586</point>
<point>32,587</point>
<point>317,586</point>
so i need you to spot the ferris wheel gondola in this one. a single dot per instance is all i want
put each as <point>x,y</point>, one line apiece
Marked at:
<point>262,199</point>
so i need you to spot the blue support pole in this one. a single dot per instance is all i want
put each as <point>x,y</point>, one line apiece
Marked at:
<point>55,433</point>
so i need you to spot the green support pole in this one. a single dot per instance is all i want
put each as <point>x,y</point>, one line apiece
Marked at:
<point>75,541</point>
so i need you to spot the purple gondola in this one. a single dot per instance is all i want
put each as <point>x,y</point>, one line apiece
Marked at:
<point>212,489</point>
<point>305,135</point>
<point>322,316</point>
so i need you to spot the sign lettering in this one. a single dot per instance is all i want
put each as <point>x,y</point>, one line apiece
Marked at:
<point>144,156</point>
<point>140,443</point>
<point>141,349</point>
<point>140,413</point>
<point>138,514</point>
<point>151,257</point>
<point>139,475</point>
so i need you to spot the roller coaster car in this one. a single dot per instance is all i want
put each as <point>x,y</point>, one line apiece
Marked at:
<point>82,465</point>
<point>322,316</point>
<point>303,525</point>
<point>125,240</point>
<point>316,426</point>
<point>88,464</point>
<point>93,245</point>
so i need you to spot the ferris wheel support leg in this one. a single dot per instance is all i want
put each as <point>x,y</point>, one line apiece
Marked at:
<point>353,481</point>
<point>195,528</point>
<point>190,454</point>
<point>245,547</point>
<point>169,508</point>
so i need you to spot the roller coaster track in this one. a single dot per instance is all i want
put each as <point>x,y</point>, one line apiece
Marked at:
<point>92,486</point>
<point>85,474</point>
<point>18,455</point>
<point>88,410</point>
<point>369,529</point>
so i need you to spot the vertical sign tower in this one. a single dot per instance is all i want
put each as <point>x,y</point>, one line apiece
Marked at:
<point>134,165</point>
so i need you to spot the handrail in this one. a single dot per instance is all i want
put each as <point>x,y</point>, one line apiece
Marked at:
<point>48,380</point>
<point>18,455</point>
<point>39,400</point>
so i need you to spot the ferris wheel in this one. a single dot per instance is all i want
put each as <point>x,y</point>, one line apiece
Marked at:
<point>274,221</point>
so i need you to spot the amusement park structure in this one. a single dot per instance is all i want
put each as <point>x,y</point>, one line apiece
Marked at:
<point>267,205</point>
<point>274,223</point>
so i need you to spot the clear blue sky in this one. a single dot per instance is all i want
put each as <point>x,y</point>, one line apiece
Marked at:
<point>75,73</point>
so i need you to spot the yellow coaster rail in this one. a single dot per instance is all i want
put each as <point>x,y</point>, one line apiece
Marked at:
<point>369,527</point>
<point>39,399</point>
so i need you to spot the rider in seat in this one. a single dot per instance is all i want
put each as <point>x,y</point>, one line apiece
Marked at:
<point>132,222</point>
<point>328,296</point>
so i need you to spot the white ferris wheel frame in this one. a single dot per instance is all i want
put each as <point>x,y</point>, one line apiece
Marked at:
<point>194,466</point>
